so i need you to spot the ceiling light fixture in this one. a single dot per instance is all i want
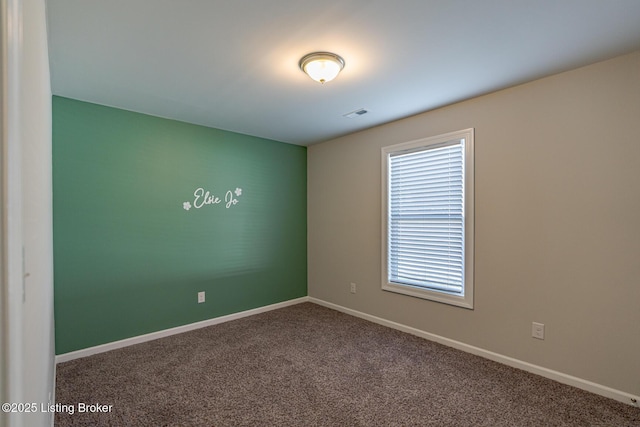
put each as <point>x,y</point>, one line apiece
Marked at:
<point>322,66</point>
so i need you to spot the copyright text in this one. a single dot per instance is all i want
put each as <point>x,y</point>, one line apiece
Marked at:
<point>58,407</point>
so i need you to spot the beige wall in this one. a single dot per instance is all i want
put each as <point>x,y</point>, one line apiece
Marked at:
<point>557,235</point>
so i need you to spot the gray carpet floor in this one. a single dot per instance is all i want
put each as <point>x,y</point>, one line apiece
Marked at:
<point>306,365</point>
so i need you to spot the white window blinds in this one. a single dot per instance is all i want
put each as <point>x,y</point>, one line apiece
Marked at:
<point>426,217</point>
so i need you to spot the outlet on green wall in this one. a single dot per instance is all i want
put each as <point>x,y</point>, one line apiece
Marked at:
<point>149,211</point>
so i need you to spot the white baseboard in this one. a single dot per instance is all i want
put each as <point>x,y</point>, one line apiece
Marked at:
<point>506,360</point>
<point>65,357</point>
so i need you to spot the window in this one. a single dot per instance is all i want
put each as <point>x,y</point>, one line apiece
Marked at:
<point>428,218</point>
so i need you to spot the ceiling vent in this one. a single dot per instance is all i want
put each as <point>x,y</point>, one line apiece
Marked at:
<point>356,113</point>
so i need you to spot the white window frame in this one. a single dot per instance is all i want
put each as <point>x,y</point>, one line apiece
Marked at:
<point>465,299</point>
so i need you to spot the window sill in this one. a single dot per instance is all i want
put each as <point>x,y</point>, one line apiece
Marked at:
<point>465,301</point>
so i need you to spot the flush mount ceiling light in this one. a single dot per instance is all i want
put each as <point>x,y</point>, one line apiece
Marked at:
<point>322,66</point>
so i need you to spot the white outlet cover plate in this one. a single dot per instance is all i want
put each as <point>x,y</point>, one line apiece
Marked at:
<point>537,330</point>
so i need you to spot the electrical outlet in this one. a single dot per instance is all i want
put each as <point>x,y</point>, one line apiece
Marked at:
<point>537,330</point>
<point>200,297</point>
<point>353,288</point>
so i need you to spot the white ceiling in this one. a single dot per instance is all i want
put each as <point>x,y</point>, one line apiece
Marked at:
<point>233,64</point>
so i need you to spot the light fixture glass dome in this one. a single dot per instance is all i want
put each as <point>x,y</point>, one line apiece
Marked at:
<point>322,66</point>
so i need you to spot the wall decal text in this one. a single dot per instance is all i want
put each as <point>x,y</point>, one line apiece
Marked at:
<point>204,197</point>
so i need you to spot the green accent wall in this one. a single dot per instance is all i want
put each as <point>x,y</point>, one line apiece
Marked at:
<point>129,259</point>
